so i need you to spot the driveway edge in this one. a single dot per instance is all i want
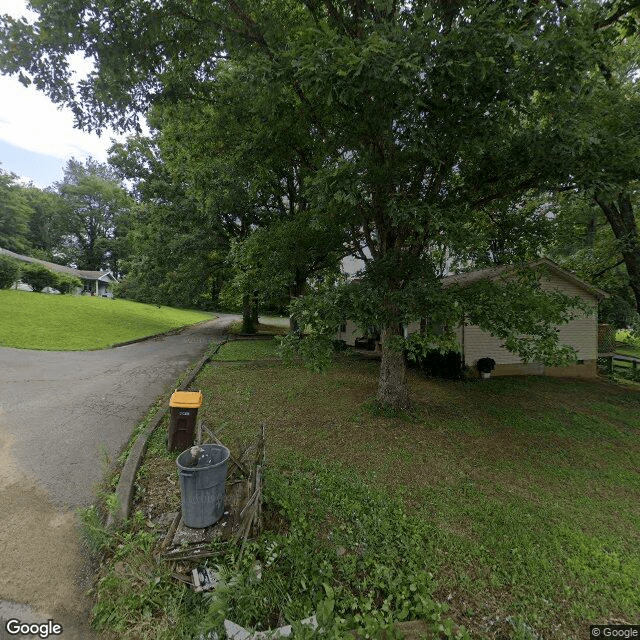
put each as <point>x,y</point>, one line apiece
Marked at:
<point>124,490</point>
<point>170,332</point>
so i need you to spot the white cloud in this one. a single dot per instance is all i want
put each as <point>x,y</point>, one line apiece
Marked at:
<point>29,120</point>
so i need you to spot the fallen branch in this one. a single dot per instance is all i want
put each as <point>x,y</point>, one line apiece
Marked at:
<point>182,578</point>
<point>194,553</point>
<point>170,533</point>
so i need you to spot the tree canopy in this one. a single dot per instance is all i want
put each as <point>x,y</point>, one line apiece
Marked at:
<point>406,122</point>
<point>14,214</point>
<point>96,214</point>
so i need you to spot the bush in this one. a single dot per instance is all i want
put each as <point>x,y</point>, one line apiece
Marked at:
<point>9,272</point>
<point>67,284</point>
<point>38,277</point>
<point>440,364</point>
<point>486,365</point>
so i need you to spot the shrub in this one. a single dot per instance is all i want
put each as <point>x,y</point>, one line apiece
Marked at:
<point>9,272</point>
<point>440,364</point>
<point>67,284</point>
<point>486,365</point>
<point>38,277</point>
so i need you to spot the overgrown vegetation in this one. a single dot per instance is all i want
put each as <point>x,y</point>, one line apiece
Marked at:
<point>514,502</point>
<point>333,547</point>
<point>135,596</point>
<point>339,548</point>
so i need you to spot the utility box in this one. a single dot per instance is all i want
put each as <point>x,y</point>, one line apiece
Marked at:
<point>183,408</point>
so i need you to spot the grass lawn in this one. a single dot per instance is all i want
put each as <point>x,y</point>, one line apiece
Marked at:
<point>628,344</point>
<point>63,323</point>
<point>530,486</point>
<point>511,506</point>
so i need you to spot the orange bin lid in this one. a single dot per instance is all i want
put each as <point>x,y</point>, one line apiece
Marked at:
<point>186,399</point>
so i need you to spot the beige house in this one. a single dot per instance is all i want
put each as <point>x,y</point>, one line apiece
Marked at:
<point>94,283</point>
<point>581,333</point>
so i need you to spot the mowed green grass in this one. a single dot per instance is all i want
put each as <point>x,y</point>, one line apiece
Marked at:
<point>529,487</point>
<point>65,323</point>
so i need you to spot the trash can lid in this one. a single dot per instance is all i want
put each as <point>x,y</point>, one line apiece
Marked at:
<point>186,399</point>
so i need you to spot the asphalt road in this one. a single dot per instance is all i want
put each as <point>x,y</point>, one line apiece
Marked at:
<point>62,416</point>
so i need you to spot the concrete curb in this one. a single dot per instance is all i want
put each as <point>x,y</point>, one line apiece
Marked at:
<point>124,490</point>
<point>170,332</point>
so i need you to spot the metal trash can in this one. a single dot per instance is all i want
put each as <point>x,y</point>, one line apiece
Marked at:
<point>202,485</point>
<point>183,407</point>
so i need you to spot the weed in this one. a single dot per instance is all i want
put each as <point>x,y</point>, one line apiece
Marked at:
<point>349,553</point>
<point>112,503</point>
<point>92,530</point>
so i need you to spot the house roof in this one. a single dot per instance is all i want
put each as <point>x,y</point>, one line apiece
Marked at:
<point>78,273</point>
<point>464,279</point>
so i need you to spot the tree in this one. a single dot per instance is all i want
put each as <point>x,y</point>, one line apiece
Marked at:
<point>96,213</point>
<point>9,272</point>
<point>67,284</point>
<point>47,223</point>
<point>248,176</point>
<point>585,244</point>
<point>38,277</point>
<point>418,115</point>
<point>177,250</point>
<point>601,151</point>
<point>14,214</point>
<point>282,257</point>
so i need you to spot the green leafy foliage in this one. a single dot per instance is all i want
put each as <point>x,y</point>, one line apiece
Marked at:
<point>38,277</point>
<point>398,127</point>
<point>524,315</point>
<point>513,307</point>
<point>48,223</point>
<point>68,284</point>
<point>347,553</point>
<point>14,214</point>
<point>96,211</point>
<point>9,272</point>
<point>178,247</point>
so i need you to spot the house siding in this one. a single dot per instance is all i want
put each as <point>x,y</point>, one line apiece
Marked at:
<point>581,333</point>
<point>350,334</point>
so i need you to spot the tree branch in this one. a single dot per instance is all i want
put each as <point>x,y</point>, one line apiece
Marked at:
<point>603,271</point>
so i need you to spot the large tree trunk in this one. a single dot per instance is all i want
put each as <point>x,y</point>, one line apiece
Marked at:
<point>254,309</point>
<point>295,291</point>
<point>623,224</point>
<point>393,391</point>
<point>248,325</point>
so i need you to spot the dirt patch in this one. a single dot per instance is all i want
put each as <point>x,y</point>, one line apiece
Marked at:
<point>41,552</point>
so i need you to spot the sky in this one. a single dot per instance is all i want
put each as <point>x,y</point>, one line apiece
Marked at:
<point>36,136</point>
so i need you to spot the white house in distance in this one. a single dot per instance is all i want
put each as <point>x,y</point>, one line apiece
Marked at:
<point>95,283</point>
<point>581,333</point>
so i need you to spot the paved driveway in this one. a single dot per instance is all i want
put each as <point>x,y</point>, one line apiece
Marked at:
<point>61,415</point>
